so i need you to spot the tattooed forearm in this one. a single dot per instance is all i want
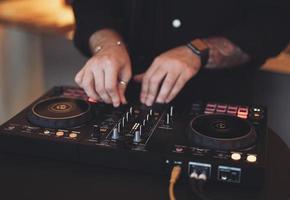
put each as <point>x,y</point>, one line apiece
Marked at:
<point>224,54</point>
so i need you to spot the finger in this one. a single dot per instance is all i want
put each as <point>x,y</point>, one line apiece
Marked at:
<point>94,101</point>
<point>139,77</point>
<point>153,85</point>
<point>121,90</point>
<point>167,86</point>
<point>179,84</point>
<point>89,86</point>
<point>124,75</point>
<point>111,77</point>
<point>79,77</point>
<point>100,85</point>
<point>145,81</point>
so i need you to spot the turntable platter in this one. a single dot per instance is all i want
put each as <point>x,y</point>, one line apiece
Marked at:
<point>223,132</point>
<point>60,112</point>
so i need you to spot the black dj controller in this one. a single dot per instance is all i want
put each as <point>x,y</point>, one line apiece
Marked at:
<point>227,142</point>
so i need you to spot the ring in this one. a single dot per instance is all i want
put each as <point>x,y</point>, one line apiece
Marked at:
<point>123,83</point>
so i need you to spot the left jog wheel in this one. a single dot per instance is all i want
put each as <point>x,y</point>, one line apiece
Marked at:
<point>60,112</point>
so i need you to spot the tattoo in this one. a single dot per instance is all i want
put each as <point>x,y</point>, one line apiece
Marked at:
<point>224,54</point>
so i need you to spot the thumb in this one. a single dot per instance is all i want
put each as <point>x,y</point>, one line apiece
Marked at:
<point>139,77</point>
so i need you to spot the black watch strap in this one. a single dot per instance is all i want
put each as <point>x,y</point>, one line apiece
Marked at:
<point>201,49</point>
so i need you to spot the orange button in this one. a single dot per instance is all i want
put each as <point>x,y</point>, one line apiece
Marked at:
<point>236,156</point>
<point>73,135</point>
<point>251,158</point>
<point>59,133</point>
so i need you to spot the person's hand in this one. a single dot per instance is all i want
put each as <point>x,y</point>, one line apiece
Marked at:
<point>167,75</point>
<point>105,75</point>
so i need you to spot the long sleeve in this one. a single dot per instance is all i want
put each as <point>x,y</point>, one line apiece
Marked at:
<point>93,15</point>
<point>264,29</point>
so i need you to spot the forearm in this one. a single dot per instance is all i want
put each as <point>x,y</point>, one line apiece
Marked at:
<point>224,54</point>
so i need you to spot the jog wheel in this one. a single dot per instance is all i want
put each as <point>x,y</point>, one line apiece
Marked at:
<point>223,132</point>
<point>60,112</point>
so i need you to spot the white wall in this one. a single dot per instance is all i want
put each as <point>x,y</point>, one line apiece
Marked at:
<point>273,91</point>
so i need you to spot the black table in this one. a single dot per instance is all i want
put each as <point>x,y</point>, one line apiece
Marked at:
<point>34,178</point>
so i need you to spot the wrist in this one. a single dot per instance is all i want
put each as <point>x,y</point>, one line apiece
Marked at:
<point>195,59</point>
<point>199,48</point>
<point>104,39</point>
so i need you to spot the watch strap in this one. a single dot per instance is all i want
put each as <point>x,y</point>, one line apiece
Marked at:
<point>201,49</point>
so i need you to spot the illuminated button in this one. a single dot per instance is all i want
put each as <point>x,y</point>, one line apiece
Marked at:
<point>179,149</point>
<point>251,158</point>
<point>103,130</point>
<point>73,135</point>
<point>243,116</point>
<point>46,132</point>
<point>232,110</point>
<point>221,108</point>
<point>243,112</point>
<point>210,108</point>
<point>257,116</point>
<point>236,156</point>
<point>257,109</point>
<point>176,23</point>
<point>59,133</point>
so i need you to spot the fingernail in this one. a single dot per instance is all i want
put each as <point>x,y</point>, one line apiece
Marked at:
<point>92,100</point>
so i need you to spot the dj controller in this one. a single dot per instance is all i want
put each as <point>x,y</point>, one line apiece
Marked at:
<point>226,142</point>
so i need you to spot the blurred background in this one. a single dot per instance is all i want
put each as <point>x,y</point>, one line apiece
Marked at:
<point>36,53</point>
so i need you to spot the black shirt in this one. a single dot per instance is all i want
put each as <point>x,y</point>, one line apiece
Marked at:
<point>149,27</point>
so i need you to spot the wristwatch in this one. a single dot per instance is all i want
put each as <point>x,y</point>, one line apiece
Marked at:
<point>200,48</point>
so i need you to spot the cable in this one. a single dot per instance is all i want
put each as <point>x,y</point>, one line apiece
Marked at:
<point>175,173</point>
<point>194,180</point>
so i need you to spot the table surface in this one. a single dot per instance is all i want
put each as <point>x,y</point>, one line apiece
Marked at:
<point>35,178</point>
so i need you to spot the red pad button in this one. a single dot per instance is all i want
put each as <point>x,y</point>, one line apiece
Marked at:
<point>221,108</point>
<point>243,112</point>
<point>232,110</point>
<point>210,108</point>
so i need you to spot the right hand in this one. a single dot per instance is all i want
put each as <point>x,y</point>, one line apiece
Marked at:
<point>101,75</point>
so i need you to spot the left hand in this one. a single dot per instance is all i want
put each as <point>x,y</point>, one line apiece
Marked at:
<point>169,71</point>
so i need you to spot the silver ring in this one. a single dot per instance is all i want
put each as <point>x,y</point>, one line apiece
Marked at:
<point>123,83</point>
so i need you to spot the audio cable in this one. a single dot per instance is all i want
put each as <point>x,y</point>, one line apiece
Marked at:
<point>196,183</point>
<point>175,173</point>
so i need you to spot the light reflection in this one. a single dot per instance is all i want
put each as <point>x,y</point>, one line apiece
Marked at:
<point>39,14</point>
